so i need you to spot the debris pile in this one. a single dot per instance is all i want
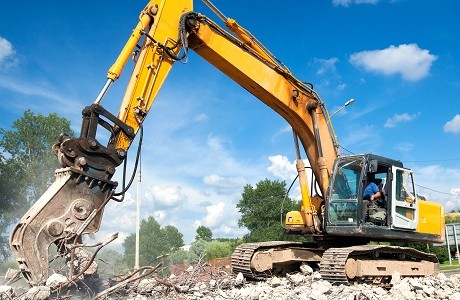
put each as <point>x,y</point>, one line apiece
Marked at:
<point>204,282</point>
<point>306,285</point>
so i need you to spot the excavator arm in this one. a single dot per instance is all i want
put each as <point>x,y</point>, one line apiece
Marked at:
<point>167,29</point>
<point>273,84</point>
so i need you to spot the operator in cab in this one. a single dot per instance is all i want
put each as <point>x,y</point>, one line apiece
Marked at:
<point>372,195</point>
<point>372,190</point>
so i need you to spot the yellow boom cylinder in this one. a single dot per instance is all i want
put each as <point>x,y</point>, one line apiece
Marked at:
<point>145,20</point>
<point>306,200</point>
<point>241,33</point>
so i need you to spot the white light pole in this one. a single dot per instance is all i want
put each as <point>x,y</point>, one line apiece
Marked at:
<point>334,137</point>
<point>138,214</point>
<point>349,102</point>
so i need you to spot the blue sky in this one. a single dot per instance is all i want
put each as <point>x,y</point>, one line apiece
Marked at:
<point>206,137</point>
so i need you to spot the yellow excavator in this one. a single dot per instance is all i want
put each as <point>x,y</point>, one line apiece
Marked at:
<point>338,216</point>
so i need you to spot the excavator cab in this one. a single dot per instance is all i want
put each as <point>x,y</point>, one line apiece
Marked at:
<point>350,221</point>
<point>397,215</point>
<point>345,199</point>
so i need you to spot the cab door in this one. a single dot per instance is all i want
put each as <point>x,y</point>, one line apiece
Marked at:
<point>404,205</point>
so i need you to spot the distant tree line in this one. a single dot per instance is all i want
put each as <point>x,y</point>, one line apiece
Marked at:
<point>260,208</point>
<point>452,218</point>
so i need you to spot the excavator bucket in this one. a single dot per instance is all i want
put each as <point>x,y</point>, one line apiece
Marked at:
<point>73,205</point>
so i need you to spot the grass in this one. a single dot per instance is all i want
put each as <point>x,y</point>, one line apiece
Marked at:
<point>446,266</point>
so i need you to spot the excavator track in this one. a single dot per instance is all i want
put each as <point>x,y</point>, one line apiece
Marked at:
<point>372,264</point>
<point>375,264</point>
<point>261,260</point>
<point>241,257</point>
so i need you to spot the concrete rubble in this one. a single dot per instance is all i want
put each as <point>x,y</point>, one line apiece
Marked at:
<point>306,285</point>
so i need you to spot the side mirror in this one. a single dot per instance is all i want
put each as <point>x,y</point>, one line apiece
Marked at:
<point>372,167</point>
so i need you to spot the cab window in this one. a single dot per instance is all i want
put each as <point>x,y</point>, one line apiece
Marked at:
<point>405,193</point>
<point>343,200</point>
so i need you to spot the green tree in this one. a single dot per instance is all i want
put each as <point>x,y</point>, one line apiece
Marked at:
<point>204,233</point>
<point>197,251</point>
<point>27,165</point>
<point>216,249</point>
<point>260,208</point>
<point>178,257</point>
<point>29,144</point>
<point>233,242</point>
<point>173,237</point>
<point>110,262</point>
<point>10,175</point>
<point>154,241</point>
<point>452,218</point>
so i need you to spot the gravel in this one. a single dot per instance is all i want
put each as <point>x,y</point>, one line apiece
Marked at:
<point>220,285</point>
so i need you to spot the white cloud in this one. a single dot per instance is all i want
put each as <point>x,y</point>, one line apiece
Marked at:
<point>359,136</point>
<point>201,118</point>
<point>455,191</point>
<point>341,86</point>
<point>230,231</point>
<point>281,167</point>
<point>104,235</point>
<point>405,147</point>
<point>214,215</point>
<point>282,131</point>
<point>285,170</point>
<point>326,66</point>
<point>197,177</point>
<point>118,218</point>
<point>128,201</point>
<point>347,3</point>
<point>224,184</point>
<point>225,229</point>
<point>196,224</point>
<point>6,50</point>
<point>62,103</point>
<point>214,143</point>
<point>431,183</point>
<point>165,196</point>
<point>159,215</point>
<point>408,60</point>
<point>453,125</point>
<point>399,118</point>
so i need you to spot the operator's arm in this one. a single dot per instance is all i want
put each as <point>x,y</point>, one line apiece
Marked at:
<point>376,196</point>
